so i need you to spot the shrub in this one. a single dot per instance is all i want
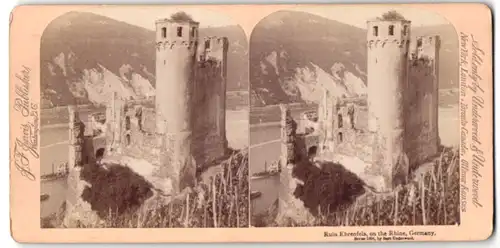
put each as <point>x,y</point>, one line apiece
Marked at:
<point>181,16</point>
<point>392,15</point>
<point>223,202</point>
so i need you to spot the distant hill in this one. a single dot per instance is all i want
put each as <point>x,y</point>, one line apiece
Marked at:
<point>294,53</point>
<point>84,56</point>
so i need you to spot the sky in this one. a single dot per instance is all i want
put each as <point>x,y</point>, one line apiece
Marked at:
<point>146,16</point>
<point>353,15</point>
<point>357,16</point>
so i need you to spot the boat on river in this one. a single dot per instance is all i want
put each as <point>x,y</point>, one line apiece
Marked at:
<point>273,170</point>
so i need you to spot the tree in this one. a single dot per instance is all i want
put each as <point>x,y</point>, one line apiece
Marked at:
<point>392,15</point>
<point>181,16</point>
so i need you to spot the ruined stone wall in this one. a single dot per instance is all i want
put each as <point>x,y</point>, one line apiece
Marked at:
<point>76,138</point>
<point>209,100</point>
<point>138,137</point>
<point>131,130</point>
<point>352,136</point>
<point>292,148</point>
<point>422,137</point>
<point>77,210</point>
<point>91,146</point>
<point>115,112</point>
<point>326,115</point>
<point>343,127</point>
<point>148,120</point>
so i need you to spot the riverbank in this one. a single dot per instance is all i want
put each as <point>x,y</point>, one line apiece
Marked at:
<point>52,177</point>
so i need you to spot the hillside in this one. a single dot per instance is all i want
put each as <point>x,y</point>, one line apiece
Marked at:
<point>294,54</point>
<point>84,56</point>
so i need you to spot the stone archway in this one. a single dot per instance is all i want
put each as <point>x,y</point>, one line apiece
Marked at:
<point>99,154</point>
<point>312,151</point>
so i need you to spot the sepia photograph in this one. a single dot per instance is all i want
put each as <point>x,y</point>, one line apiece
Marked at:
<point>144,119</point>
<point>251,123</point>
<point>354,118</point>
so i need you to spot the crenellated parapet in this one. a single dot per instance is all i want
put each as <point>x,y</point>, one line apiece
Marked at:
<point>378,43</point>
<point>162,45</point>
<point>388,33</point>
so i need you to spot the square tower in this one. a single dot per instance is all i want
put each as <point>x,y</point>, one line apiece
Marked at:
<point>210,99</point>
<point>423,100</point>
<point>215,49</point>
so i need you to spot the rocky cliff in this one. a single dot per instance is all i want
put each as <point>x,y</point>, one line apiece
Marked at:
<point>84,56</point>
<point>294,54</point>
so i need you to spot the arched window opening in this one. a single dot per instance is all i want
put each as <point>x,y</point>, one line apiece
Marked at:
<point>341,138</point>
<point>138,115</point>
<point>164,32</point>
<point>99,154</point>
<point>419,42</point>
<point>179,31</point>
<point>193,32</point>
<point>391,29</point>
<point>127,123</point>
<point>340,121</point>
<point>127,139</point>
<point>351,116</point>
<point>375,31</point>
<point>312,151</point>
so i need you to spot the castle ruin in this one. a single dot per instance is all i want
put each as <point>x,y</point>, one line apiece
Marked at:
<point>182,128</point>
<point>390,131</point>
<point>186,127</point>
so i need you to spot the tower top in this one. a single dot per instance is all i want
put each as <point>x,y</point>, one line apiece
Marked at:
<point>215,42</point>
<point>379,29</point>
<point>432,40</point>
<point>172,30</point>
<point>388,29</point>
<point>426,47</point>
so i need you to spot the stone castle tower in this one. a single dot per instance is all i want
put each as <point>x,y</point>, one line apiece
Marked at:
<point>176,48</point>
<point>422,137</point>
<point>388,43</point>
<point>183,131</point>
<point>76,131</point>
<point>215,49</point>
<point>114,113</point>
<point>383,136</point>
<point>427,48</point>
